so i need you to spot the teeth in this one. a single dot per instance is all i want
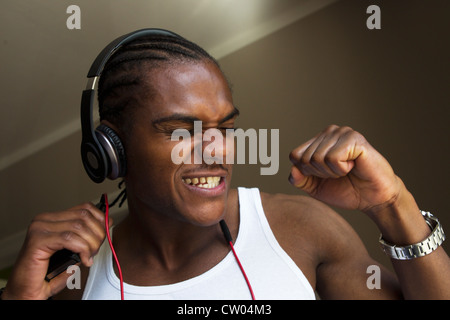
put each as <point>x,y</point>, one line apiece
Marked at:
<point>203,182</point>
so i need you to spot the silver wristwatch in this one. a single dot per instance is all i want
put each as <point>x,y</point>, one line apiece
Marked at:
<point>419,249</point>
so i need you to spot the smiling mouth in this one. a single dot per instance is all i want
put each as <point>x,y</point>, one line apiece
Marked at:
<point>203,182</point>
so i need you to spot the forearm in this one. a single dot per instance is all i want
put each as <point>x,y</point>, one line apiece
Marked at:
<point>401,223</point>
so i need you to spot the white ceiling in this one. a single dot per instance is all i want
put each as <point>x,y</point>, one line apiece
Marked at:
<point>43,64</point>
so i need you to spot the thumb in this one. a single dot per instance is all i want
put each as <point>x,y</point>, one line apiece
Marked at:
<point>302,182</point>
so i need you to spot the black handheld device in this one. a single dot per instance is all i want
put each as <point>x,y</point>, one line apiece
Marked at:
<point>62,259</point>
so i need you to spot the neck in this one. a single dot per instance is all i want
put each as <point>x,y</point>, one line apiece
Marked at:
<point>169,244</point>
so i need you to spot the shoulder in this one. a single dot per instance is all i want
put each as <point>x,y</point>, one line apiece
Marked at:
<point>324,246</point>
<point>310,232</point>
<point>305,217</point>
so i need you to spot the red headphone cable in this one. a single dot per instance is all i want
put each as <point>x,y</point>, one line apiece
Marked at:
<point>229,240</point>
<point>223,226</point>
<point>105,199</point>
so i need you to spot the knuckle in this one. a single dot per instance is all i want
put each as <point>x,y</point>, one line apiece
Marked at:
<point>41,216</point>
<point>329,158</point>
<point>317,158</point>
<point>293,156</point>
<point>345,129</point>
<point>331,128</point>
<point>85,207</point>
<point>357,136</point>
<point>78,225</point>
<point>304,162</point>
<point>88,205</point>
<point>67,235</point>
<point>35,227</point>
<point>84,214</point>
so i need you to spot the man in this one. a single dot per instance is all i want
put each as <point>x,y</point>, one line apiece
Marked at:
<point>170,245</point>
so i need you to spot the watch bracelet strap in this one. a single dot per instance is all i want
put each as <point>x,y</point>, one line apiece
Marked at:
<point>420,249</point>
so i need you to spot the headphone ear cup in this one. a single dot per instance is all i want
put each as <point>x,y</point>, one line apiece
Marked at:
<point>94,161</point>
<point>114,151</point>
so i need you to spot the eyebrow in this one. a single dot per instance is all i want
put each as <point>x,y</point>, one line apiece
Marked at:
<point>179,117</point>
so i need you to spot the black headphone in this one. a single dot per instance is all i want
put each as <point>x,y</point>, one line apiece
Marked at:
<point>102,151</point>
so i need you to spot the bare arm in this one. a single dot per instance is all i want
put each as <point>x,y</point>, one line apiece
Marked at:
<point>339,167</point>
<point>346,271</point>
<point>402,224</point>
<point>327,249</point>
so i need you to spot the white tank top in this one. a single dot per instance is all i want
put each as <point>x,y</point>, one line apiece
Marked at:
<point>271,272</point>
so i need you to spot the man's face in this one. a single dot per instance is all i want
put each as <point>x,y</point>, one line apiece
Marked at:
<point>183,93</point>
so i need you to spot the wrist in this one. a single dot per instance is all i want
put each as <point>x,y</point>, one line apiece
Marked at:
<point>420,249</point>
<point>400,221</point>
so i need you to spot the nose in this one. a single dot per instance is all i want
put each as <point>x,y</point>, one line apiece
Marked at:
<point>214,146</point>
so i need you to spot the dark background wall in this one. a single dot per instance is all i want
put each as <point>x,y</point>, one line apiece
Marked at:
<point>390,84</point>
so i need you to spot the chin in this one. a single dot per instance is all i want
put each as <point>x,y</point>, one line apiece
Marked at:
<point>204,215</point>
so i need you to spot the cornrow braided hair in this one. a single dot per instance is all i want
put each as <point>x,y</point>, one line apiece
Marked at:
<point>122,76</point>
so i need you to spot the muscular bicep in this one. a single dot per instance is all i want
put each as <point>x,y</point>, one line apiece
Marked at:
<point>347,271</point>
<point>327,250</point>
<point>359,278</point>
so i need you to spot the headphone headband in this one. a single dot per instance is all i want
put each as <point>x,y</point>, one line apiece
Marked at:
<point>96,160</point>
<point>99,63</point>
